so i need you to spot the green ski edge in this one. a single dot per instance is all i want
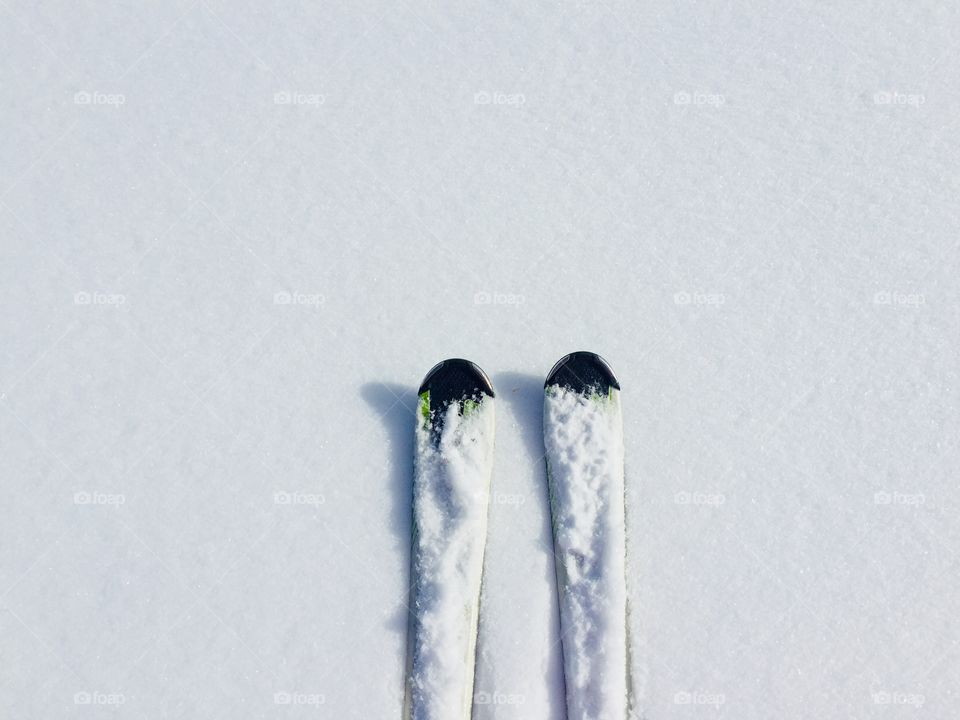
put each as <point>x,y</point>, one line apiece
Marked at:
<point>467,407</point>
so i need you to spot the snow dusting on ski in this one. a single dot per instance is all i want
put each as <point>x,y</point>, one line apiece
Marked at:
<point>451,494</point>
<point>583,436</point>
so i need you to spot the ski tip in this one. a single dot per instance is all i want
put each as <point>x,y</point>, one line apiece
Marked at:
<point>583,371</point>
<point>453,380</point>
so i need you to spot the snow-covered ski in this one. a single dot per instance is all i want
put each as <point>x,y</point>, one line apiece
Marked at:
<point>583,437</point>
<point>453,465</point>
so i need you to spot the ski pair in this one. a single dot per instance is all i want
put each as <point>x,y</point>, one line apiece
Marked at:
<point>453,466</point>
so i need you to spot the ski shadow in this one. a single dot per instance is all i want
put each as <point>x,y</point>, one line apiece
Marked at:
<point>523,394</point>
<point>395,406</point>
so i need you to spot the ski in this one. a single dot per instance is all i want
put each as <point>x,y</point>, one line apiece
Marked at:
<point>453,465</point>
<point>583,437</point>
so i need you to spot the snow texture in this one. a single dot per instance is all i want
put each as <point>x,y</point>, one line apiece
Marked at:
<point>583,436</point>
<point>451,490</point>
<point>234,237</point>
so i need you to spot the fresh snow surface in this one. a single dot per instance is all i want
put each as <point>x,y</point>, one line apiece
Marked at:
<point>583,436</point>
<point>450,501</point>
<point>218,297</point>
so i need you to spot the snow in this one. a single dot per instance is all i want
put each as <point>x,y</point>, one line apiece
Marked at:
<point>583,436</point>
<point>450,500</point>
<point>217,300</point>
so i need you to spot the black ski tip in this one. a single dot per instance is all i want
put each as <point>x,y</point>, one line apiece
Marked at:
<point>453,380</point>
<point>583,371</point>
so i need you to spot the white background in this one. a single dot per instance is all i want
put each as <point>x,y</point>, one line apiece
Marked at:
<point>751,211</point>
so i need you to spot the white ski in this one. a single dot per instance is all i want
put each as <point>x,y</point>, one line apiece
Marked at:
<point>452,471</point>
<point>583,436</point>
